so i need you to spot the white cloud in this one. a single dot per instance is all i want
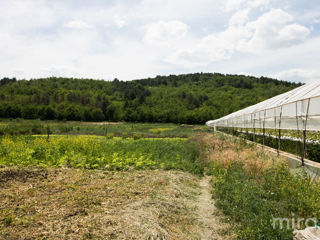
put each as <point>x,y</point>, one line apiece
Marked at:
<point>164,33</point>
<point>210,48</point>
<point>214,47</point>
<point>77,24</point>
<point>316,20</point>
<point>18,15</point>
<point>298,75</point>
<point>239,18</point>
<point>183,10</point>
<point>57,71</point>
<point>232,5</point>
<point>4,38</point>
<point>149,37</point>
<point>292,34</point>
<point>245,74</point>
<point>119,22</point>
<point>258,3</point>
<point>116,22</point>
<point>273,30</point>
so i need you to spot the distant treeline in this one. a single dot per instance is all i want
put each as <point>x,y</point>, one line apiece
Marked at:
<point>188,98</point>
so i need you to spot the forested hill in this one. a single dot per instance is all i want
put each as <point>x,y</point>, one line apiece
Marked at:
<point>189,98</point>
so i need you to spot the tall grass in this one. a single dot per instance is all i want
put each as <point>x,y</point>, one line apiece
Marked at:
<point>253,188</point>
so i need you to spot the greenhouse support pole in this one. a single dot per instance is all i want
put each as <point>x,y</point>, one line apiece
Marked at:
<point>254,128</point>
<point>264,129</point>
<point>298,131</point>
<point>247,130</point>
<point>275,127</point>
<point>227,128</point>
<point>279,133</point>
<point>303,155</point>
<point>279,142</point>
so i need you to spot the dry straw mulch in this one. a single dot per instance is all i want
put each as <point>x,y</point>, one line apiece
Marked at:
<point>75,204</point>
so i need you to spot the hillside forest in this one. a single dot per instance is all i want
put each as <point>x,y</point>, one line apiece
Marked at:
<point>189,98</point>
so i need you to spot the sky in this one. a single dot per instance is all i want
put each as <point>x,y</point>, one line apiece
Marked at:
<point>132,39</point>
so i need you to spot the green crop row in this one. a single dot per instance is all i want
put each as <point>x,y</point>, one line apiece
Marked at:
<point>92,152</point>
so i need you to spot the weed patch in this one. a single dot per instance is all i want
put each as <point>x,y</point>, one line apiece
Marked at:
<point>253,188</point>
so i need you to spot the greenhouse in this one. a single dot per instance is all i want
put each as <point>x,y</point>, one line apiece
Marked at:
<point>288,115</point>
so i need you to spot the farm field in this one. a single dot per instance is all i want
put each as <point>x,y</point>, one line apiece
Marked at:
<point>159,120</point>
<point>135,186</point>
<point>117,129</point>
<point>104,187</point>
<point>96,152</point>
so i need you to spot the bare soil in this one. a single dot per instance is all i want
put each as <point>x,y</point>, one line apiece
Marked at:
<point>209,215</point>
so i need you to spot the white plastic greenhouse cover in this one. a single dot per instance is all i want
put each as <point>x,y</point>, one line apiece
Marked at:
<point>298,109</point>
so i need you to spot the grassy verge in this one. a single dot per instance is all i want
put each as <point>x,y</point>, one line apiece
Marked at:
<point>91,152</point>
<point>253,188</point>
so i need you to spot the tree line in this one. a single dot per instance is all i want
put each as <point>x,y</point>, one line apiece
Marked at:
<point>186,98</point>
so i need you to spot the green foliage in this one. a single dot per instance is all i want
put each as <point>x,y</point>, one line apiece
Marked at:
<point>253,200</point>
<point>189,98</point>
<point>92,152</point>
<point>136,136</point>
<point>27,127</point>
<point>110,136</point>
<point>287,144</point>
<point>125,135</point>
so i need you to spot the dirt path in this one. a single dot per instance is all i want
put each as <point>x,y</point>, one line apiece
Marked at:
<point>208,214</point>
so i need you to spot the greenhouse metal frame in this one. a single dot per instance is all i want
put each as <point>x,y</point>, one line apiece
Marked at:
<point>298,109</point>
